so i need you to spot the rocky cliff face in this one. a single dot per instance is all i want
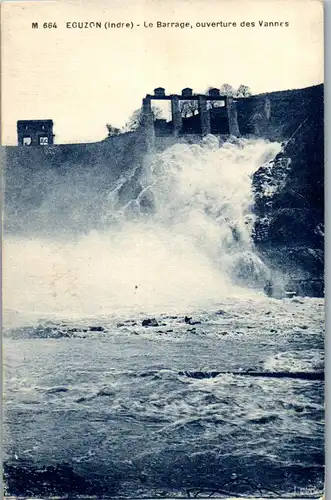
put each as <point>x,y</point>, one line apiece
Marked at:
<point>289,205</point>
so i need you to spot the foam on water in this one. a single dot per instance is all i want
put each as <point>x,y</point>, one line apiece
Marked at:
<point>182,240</point>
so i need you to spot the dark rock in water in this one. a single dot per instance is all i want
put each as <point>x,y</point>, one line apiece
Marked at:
<point>298,286</point>
<point>96,329</point>
<point>268,288</point>
<point>189,321</point>
<point>316,375</point>
<point>149,322</point>
<point>147,202</point>
<point>58,480</point>
<point>297,301</point>
<point>56,390</point>
<point>265,419</point>
<point>308,287</point>
<point>65,334</point>
<point>127,322</point>
<point>81,400</point>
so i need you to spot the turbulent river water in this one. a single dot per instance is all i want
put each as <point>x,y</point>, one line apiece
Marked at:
<point>111,339</point>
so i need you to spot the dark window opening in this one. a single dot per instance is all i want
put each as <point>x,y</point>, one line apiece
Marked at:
<point>43,141</point>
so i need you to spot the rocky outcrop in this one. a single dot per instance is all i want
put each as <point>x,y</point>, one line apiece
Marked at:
<point>149,322</point>
<point>289,205</point>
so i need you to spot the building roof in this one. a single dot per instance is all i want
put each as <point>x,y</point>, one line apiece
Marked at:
<point>27,122</point>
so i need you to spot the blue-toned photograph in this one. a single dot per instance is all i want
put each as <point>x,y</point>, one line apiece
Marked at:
<point>163,249</point>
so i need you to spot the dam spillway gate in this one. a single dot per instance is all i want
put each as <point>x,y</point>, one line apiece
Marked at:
<point>216,114</point>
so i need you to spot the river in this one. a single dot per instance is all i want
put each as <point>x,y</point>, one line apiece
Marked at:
<point>105,333</point>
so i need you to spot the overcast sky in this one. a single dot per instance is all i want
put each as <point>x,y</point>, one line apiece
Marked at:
<point>85,78</point>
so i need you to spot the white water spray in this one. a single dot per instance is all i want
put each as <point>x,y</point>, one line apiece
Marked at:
<point>183,241</point>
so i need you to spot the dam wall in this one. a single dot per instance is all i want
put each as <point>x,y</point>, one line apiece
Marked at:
<point>35,176</point>
<point>115,152</point>
<point>274,116</point>
<point>36,179</point>
<point>277,115</point>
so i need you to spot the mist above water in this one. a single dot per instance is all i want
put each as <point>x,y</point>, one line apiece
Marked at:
<point>181,240</point>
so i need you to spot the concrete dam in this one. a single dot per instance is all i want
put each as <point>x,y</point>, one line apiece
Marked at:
<point>273,116</point>
<point>37,170</point>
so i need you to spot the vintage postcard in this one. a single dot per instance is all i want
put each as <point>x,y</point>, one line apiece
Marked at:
<point>163,253</point>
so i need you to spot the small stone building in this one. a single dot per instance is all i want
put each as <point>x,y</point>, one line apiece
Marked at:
<point>35,132</point>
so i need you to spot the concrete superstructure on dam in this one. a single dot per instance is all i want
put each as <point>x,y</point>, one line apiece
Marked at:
<point>274,116</point>
<point>221,120</point>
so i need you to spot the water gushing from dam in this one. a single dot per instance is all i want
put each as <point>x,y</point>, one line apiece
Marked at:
<point>100,398</point>
<point>180,235</point>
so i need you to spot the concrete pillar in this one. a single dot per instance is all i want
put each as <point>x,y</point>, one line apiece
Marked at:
<point>176,116</point>
<point>204,115</point>
<point>267,108</point>
<point>148,123</point>
<point>232,116</point>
